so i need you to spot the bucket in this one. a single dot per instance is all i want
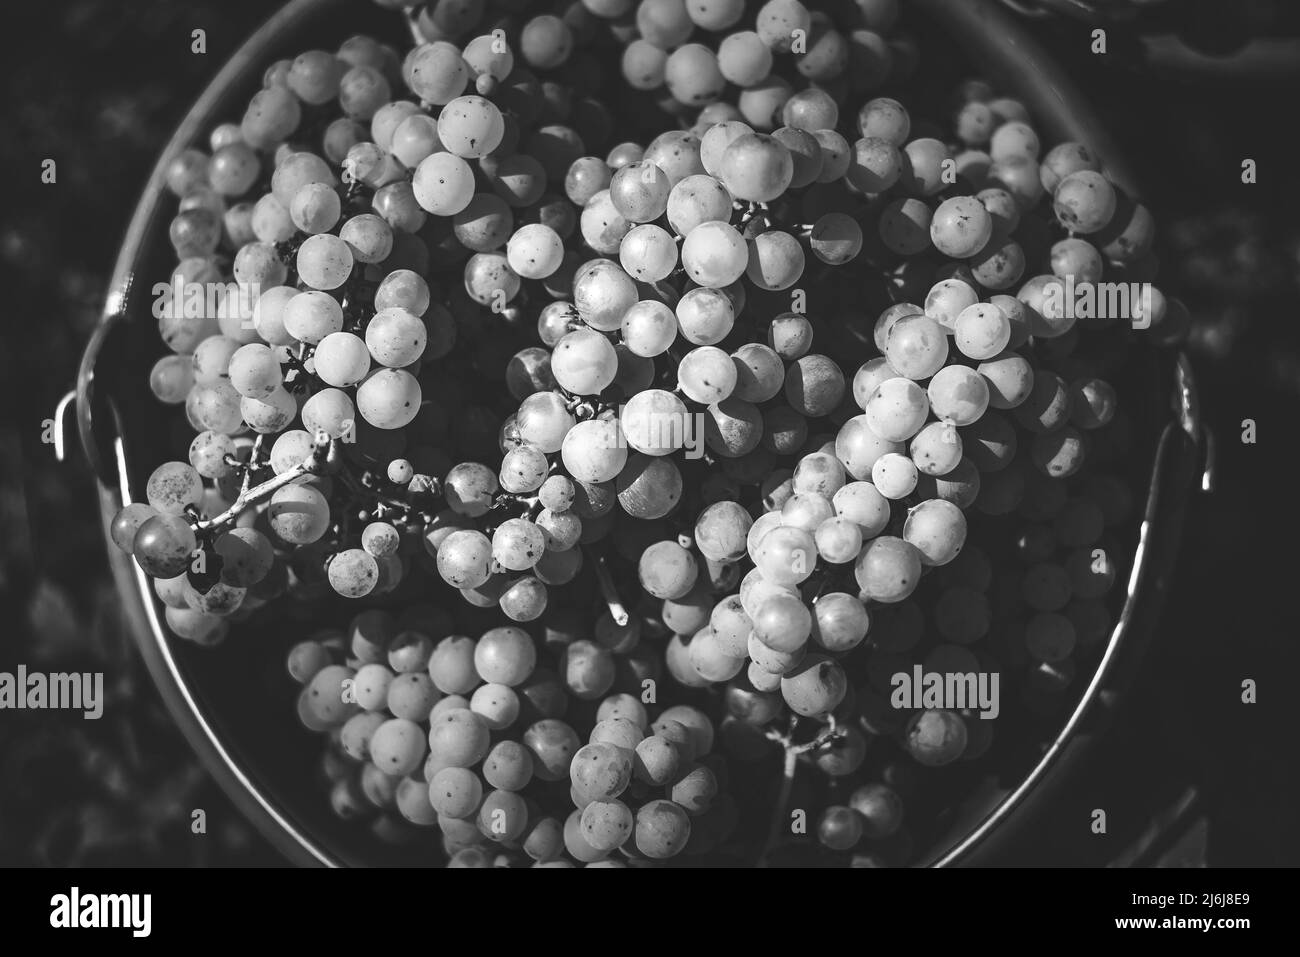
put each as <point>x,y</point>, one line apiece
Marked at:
<point>234,705</point>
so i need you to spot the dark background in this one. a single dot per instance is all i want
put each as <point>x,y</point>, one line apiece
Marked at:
<point>98,86</point>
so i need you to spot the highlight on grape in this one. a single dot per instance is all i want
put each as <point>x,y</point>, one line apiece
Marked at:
<point>630,397</point>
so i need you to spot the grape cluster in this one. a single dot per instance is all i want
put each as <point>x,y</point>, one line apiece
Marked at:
<point>473,736</point>
<point>726,400</point>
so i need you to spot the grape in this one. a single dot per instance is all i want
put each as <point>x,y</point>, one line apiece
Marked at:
<point>958,395</point>
<point>662,829</point>
<point>314,208</point>
<point>649,328</point>
<point>917,347</point>
<point>888,570</point>
<point>1010,379</point>
<point>936,449</point>
<point>246,556</point>
<point>458,738</point>
<point>666,570</point>
<point>707,375</point>
<point>310,316</point>
<point>584,362</point>
<point>838,540</point>
<point>543,419</point>
<point>353,573</point>
<point>1092,403</point>
<point>523,470</point>
<point>1059,454</point>
<point>173,487</point>
<point>654,422</point>
<point>815,686</point>
<point>935,738</point>
<point>721,531</point>
<point>463,559</point>
<point>744,58</point>
<point>324,262</point>
<point>759,372</point>
<point>705,316</point>
<point>897,409</point>
<point>163,545</point>
<point>776,260</point>
<point>697,199</point>
<point>756,167</point>
<point>714,254</point>
<point>895,475</point>
<point>1084,202</point>
<point>806,510</point>
<point>782,623</point>
<point>786,556</point>
<point>591,451</point>
<point>961,227</point>
<point>517,544</point>
<point>368,237</point>
<point>1047,407</point>
<point>443,184</point>
<point>648,253</point>
<point>535,251</point>
<point>329,411</point>
<point>732,427</point>
<point>341,359</point>
<point>455,792</point>
<point>937,529</point>
<point>389,398</point>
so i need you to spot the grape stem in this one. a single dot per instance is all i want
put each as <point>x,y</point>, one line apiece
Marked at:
<point>790,764</point>
<point>614,603</point>
<point>322,457</point>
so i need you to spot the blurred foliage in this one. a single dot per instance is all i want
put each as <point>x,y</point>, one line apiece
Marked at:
<point>98,85</point>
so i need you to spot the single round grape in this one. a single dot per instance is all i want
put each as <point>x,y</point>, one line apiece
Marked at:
<point>756,167</point>
<point>693,76</point>
<point>875,165</point>
<point>697,199</point>
<point>299,514</point>
<point>353,573</point>
<point>1010,379</point>
<point>744,58</point>
<point>329,411</point>
<point>838,540</point>
<point>888,570</point>
<point>254,371</point>
<point>935,738</point>
<point>368,237</point>
<point>654,422</point>
<point>535,251</point>
<point>815,686</point>
<point>591,451</point>
<point>639,192</point>
<point>662,829</point>
<point>464,559</point>
<point>862,504</point>
<point>732,427</point>
<point>759,372</point>
<point>707,375</point>
<point>667,570</point>
<point>315,208</point>
<point>786,555</point>
<point>650,327</point>
<point>324,262</point>
<point>173,487</point>
<point>895,475</point>
<point>958,396</point>
<point>523,470</point>
<point>776,260</point>
<point>443,184</point>
<point>543,419</point>
<point>961,227</point>
<point>164,545</point>
<point>601,224</point>
<point>917,347</point>
<point>897,409</point>
<point>937,529</point>
<point>312,315</point>
<point>517,544</point>
<point>947,299</point>
<point>342,360</point>
<point>1084,202</point>
<point>389,399</point>
<point>721,531</point>
<point>648,253</point>
<point>904,226</point>
<point>936,449</point>
<point>1092,403</point>
<point>584,362</point>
